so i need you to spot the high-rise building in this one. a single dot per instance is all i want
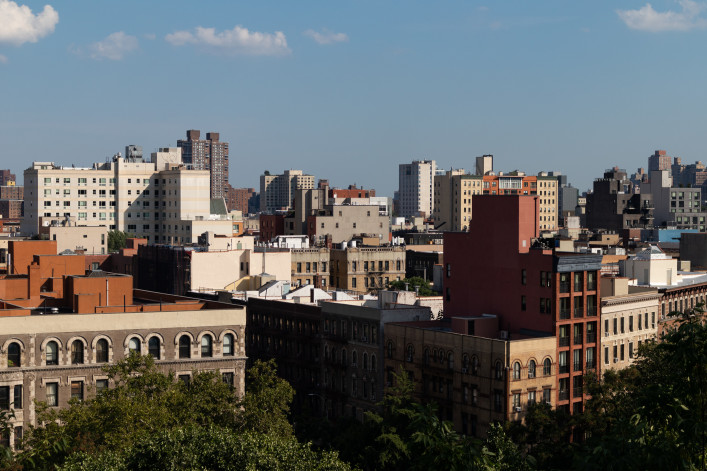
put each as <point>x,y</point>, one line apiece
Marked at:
<point>7,178</point>
<point>659,161</point>
<point>207,154</point>
<point>415,188</point>
<point>241,199</point>
<point>277,192</point>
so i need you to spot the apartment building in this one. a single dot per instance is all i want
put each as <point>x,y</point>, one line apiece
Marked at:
<point>310,266</point>
<point>678,207</point>
<point>365,269</point>
<point>501,267</point>
<point>60,327</point>
<point>454,191</point>
<point>277,192</point>
<point>415,188</point>
<point>614,205</point>
<point>474,377</point>
<point>207,154</point>
<point>629,315</point>
<point>160,200</point>
<point>341,223</point>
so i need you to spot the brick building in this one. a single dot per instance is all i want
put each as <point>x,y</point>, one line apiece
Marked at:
<point>500,267</point>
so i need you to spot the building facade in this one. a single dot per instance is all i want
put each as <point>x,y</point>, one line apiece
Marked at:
<point>415,188</point>
<point>207,154</point>
<point>365,269</point>
<point>277,192</point>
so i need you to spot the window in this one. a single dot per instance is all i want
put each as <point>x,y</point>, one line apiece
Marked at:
<point>523,276</point>
<point>499,370</point>
<point>184,347</point>
<point>101,351</point>
<point>522,303</point>
<point>228,378</point>
<point>14,355</point>
<point>228,345</point>
<point>101,385</point>
<point>531,369</point>
<point>52,394</point>
<point>206,346</point>
<point>134,345</point>
<point>153,347</point>
<point>516,370</point>
<point>52,353</point>
<point>77,352</point>
<point>578,281</point>
<point>411,352</point>
<point>531,397</point>
<point>475,365</point>
<point>547,396</point>
<point>547,367</point>
<point>77,390</point>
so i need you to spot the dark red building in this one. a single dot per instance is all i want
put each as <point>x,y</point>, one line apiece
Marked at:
<point>271,225</point>
<point>501,267</point>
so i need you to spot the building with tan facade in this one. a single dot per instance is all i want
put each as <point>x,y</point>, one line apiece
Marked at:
<point>473,375</point>
<point>310,266</point>
<point>59,327</point>
<point>367,268</point>
<point>277,192</point>
<point>160,200</point>
<point>629,315</point>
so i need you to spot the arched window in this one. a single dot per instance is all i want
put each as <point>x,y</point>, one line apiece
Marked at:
<point>390,349</point>
<point>365,360</point>
<point>547,367</point>
<point>134,345</point>
<point>101,351</point>
<point>499,370</point>
<point>475,365</point>
<point>228,345</point>
<point>411,352</point>
<point>354,358</point>
<point>14,353</point>
<point>184,346</point>
<point>426,356</point>
<point>516,370</point>
<point>206,346</point>
<point>343,356</point>
<point>531,369</point>
<point>373,363</point>
<point>153,347</point>
<point>465,363</point>
<point>52,351</point>
<point>450,360</point>
<point>77,352</point>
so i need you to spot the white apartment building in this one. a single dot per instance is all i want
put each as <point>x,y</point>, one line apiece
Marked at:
<point>415,192</point>
<point>278,191</point>
<point>160,200</point>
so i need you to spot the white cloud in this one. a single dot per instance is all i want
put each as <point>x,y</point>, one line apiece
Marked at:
<point>3,59</point>
<point>18,25</point>
<point>114,47</point>
<point>647,19</point>
<point>234,41</point>
<point>150,36</point>
<point>326,36</point>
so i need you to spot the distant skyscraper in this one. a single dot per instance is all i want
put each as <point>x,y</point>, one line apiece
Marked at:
<point>658,161</point>
<point>415,193</point>
<point>278,191</point>
<point>207,154</point>
<point>7,178</point>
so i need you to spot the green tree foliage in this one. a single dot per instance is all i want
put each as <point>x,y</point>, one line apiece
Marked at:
<point>415,281</point>
<point>151,415</point>
<point>117,240</point>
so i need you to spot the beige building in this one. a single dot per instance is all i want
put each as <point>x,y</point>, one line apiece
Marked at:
<point>89,239</point>
<point>415,188</point>
<point>344,222</point>
<point>629,316</point>
<point>310,266</point>
<point>475,379</point>
<point>160,200</point>
<point>365,269</point>
<point>277,192</point>
<point>235,269</point>
<point>452,205</point>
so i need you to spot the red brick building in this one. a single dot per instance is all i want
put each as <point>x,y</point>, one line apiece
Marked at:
<point>239,198</point>
<point>501,267</point>
<point>271,225</point>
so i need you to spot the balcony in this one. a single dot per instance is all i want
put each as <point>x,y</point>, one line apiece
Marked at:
<point>564,395</point>
<point>591,311</point>
<point>590,365</point>
<point>591,337</point>
<point>578,311</point>
<point>564,287</point>
<point>577,392</point>
<point>564,369</point>
<point>578,340</point>
<point>577,366</point>
<point>564,313</point>
<point>564,341</point>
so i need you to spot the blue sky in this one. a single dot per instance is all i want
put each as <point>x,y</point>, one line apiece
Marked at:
<point>348,90</point>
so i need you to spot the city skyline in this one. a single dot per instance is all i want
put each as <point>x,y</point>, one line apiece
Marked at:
<point>339,90</point>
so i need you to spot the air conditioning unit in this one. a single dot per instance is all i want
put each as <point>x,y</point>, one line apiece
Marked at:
<point>464,370</point>
<point>410,358</point>
<point>548,403</point>
<point>616,360</point>
<point>606,334</point>
<point>517,409</point>
<point>364,339</point>
<point>503,334</point>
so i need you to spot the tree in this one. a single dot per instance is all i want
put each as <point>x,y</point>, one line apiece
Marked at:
<point>148,413</point>
<point>415,281</point>
<point>652,415</point>
<point>117,240</point>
